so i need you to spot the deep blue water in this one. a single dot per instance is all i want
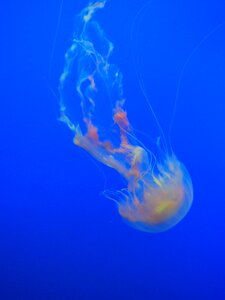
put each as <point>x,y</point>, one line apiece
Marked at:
<point>60,239</point>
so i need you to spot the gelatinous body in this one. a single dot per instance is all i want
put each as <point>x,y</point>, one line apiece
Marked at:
<point>159,190</point>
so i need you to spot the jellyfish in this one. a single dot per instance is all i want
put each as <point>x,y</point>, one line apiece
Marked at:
<point>158,190</point>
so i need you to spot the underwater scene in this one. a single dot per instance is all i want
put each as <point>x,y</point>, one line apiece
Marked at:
<point>112,143</point>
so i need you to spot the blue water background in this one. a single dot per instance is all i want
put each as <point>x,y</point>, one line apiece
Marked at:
<point>59,238</point>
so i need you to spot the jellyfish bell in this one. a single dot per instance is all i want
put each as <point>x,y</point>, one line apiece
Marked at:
<point>161,199</point>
